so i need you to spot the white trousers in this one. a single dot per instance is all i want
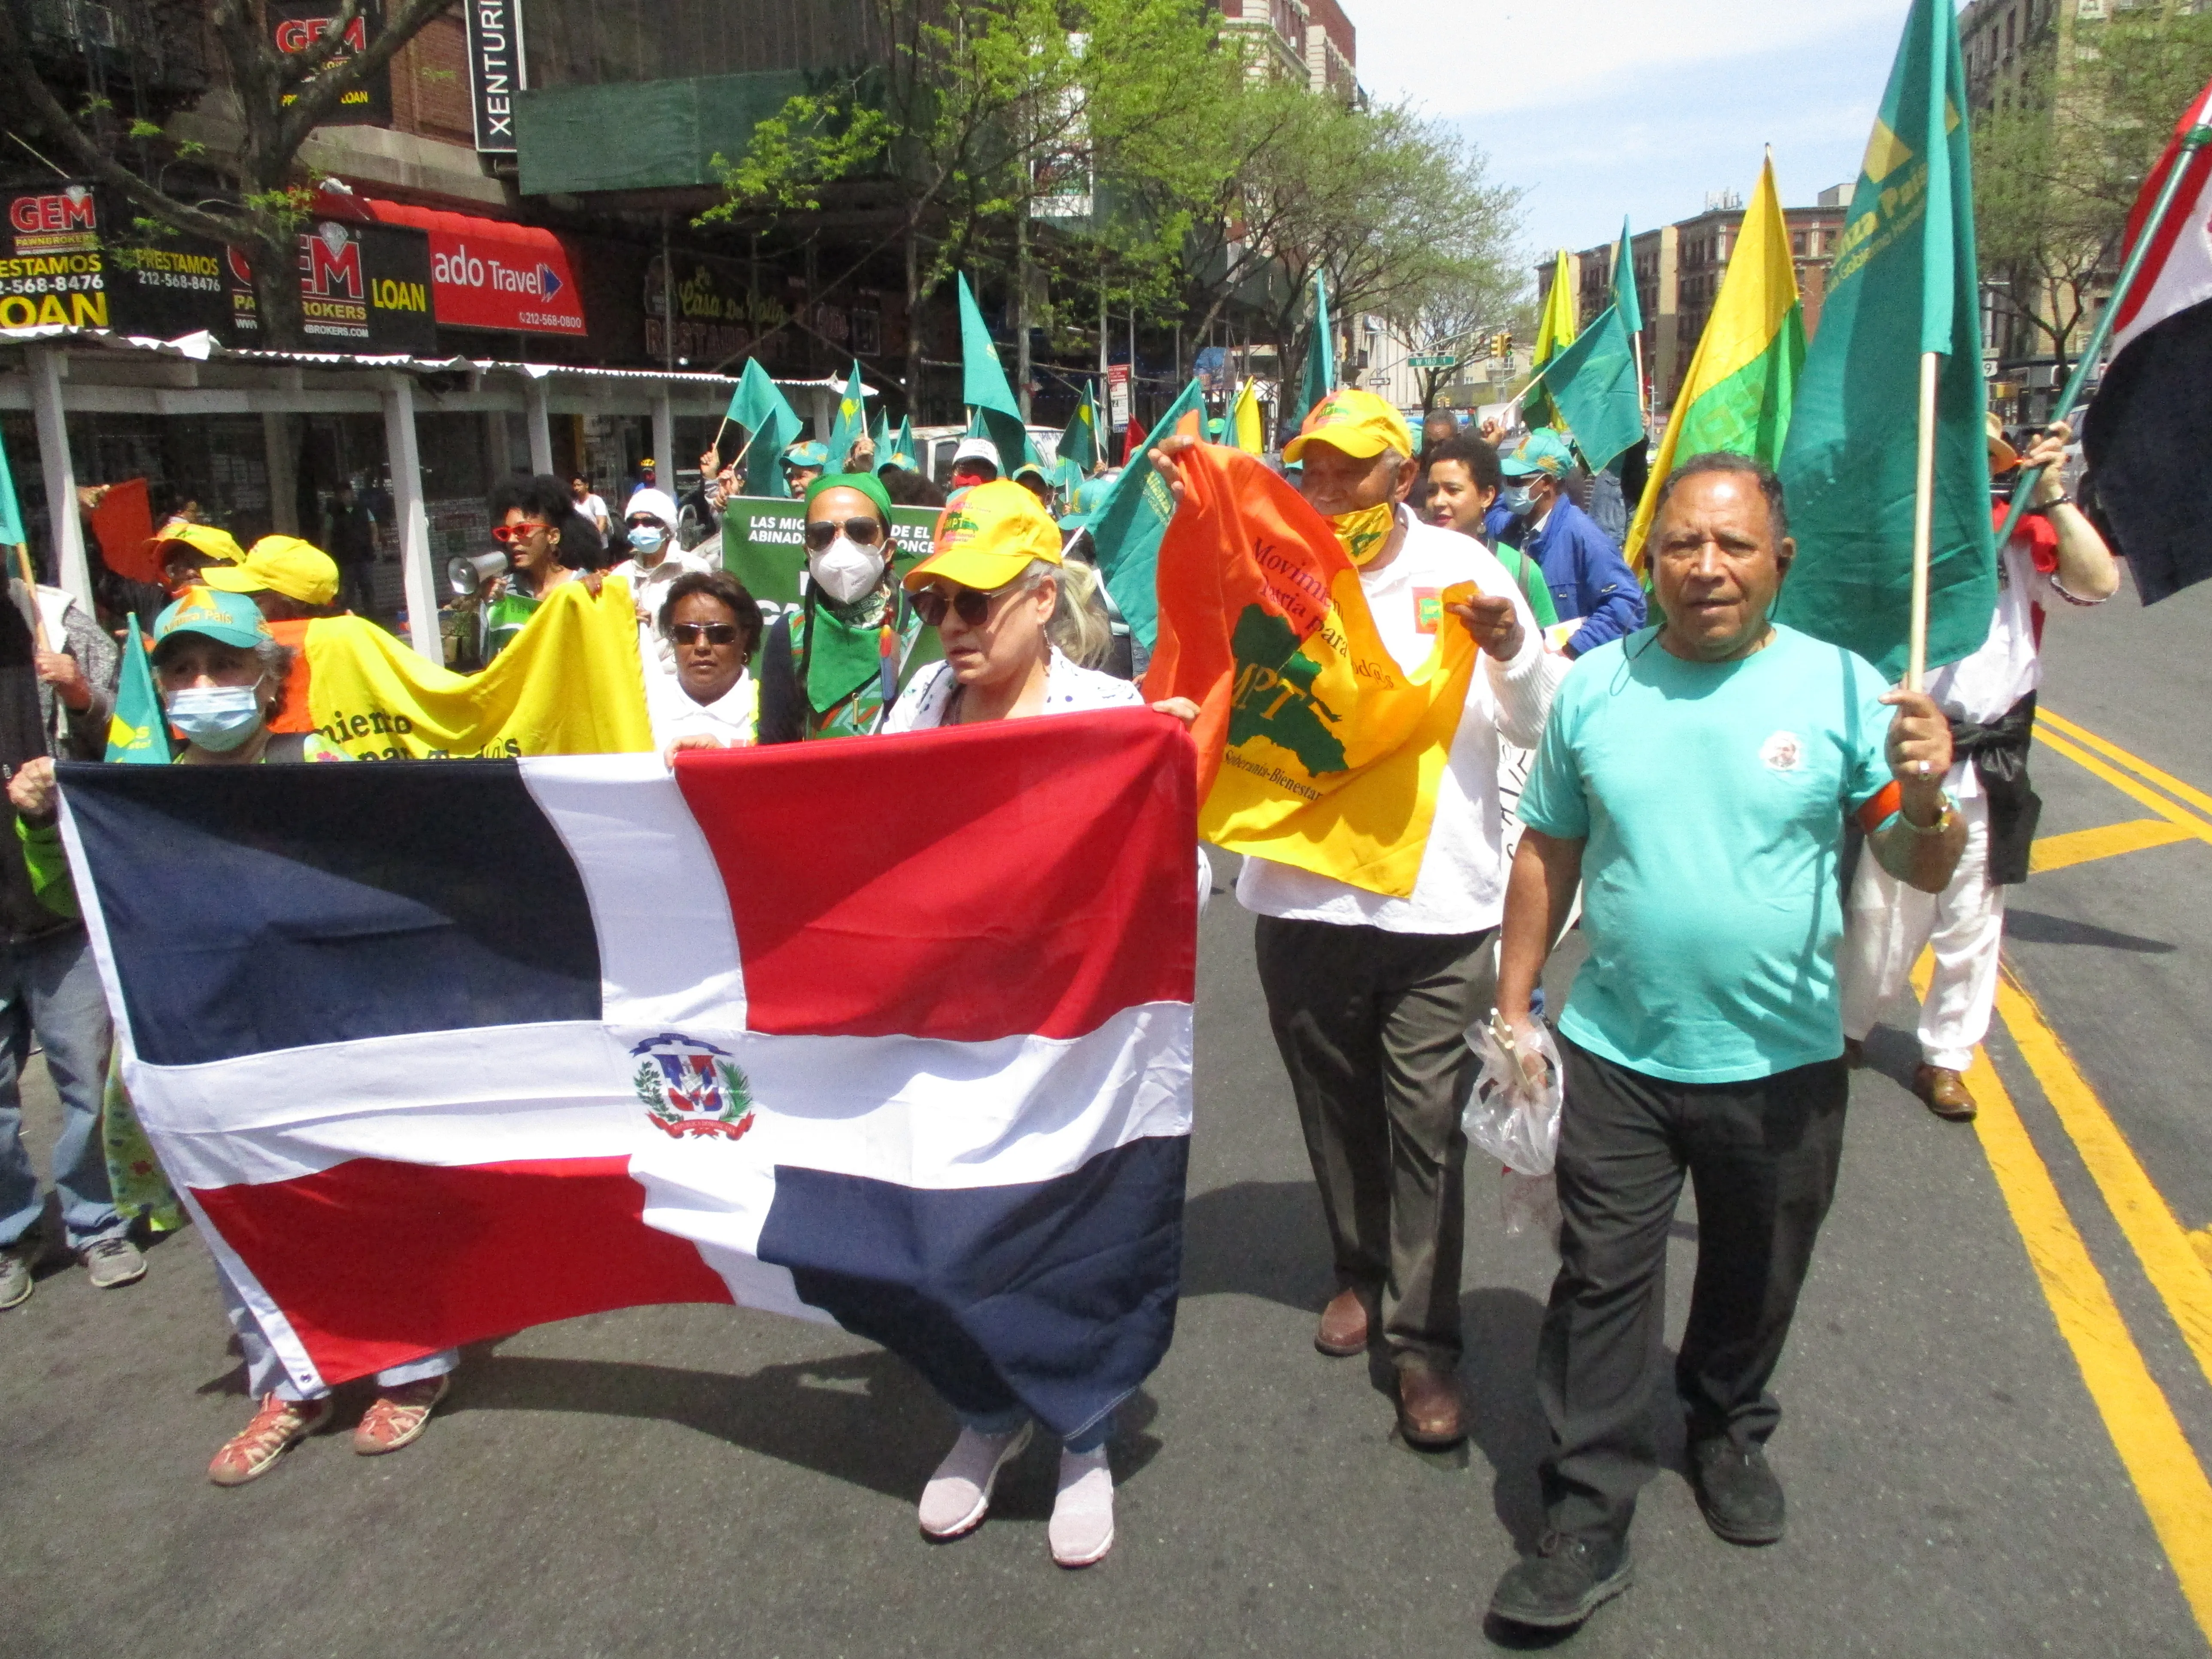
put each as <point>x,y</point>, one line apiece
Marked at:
<point>1888,923</point>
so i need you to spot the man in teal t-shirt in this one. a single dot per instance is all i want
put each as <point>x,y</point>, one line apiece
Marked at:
<point>1695,778</point>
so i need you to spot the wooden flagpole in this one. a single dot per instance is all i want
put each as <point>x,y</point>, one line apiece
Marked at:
<point>1923,521</point>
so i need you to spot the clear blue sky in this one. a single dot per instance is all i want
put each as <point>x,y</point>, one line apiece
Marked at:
<point>1603,107</point>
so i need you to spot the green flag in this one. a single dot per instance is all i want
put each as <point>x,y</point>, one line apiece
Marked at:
<point>1593,385</point>
<point>902,445</point>
<point>852,422</point>
<point>1078,444</point>
<point>997,414</point>
<point>1903,283</point>
<point>771,425</point>
<point>1625,299</point>
<point>1131,521</point>
<point>11,515</point>
<point>1320,377</point>
<point>137,733</point>
<point>879,435</point>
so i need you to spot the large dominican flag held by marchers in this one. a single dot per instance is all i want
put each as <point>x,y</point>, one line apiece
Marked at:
<point>2145,434</point>
<point>892,1032</point>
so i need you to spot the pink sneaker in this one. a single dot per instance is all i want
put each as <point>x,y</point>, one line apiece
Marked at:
<point>1081,1531</point>
<point>396,1417</point>
<point>278,1425</point>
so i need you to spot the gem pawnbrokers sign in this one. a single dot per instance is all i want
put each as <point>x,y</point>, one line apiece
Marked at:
<point>364,287</point>
<point>496,71</point>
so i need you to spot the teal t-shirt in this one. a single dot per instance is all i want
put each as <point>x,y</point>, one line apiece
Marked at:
<point>1712,798</point>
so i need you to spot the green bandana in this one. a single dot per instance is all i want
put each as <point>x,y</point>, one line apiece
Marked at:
<point>866,483</point>
<point>844,654</point>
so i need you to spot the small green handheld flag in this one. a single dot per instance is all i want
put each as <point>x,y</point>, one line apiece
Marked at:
<point>137,733</point>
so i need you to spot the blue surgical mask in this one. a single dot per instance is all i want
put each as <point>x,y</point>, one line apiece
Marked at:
<point>216,717</point>
<point>644,537</point>
<point>1519,500</point>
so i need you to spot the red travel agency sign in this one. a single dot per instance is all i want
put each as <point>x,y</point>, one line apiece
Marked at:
<point>485,273</point>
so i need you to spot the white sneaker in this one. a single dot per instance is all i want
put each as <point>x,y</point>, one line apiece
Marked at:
<point>1082,1529</point>
<point>958,1495</point>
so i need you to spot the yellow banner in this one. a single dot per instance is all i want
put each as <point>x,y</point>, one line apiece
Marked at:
<point>569,683</point>
<point>1329,754</point>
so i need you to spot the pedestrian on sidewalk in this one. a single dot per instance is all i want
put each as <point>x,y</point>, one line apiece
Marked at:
<point>1370,996</point>
<point>57,672</point>
<point>2054,558</point>
<point>1695,777</point>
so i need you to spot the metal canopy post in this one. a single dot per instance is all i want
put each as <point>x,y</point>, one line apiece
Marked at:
<point>664,440</point>
<point>59,473</point>
<point>409,519</point>
<point>540,425</point>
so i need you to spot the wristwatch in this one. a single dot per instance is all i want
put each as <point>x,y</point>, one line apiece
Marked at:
<point>1944,819</point>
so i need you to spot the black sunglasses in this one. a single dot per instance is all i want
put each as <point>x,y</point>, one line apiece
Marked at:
<point>713,632</point>
<point>820,532</point>
<point>970,605</point>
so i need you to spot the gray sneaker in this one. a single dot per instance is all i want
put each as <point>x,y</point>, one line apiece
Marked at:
<point>110,1262</point>
<point>15,1282</point>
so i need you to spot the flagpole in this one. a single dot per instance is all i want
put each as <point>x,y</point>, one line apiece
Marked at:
<point>1924,519</point>
<point>2024,490</point>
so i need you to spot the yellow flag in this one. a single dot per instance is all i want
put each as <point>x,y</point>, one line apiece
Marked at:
<point>1315,749</point>
<point>1244,430</point>
<point>1555,331</point>
<point>569,683</point>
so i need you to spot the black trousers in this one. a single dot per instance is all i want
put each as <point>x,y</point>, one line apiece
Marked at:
<point>1763,1154</point>
<point>1373,1027</point>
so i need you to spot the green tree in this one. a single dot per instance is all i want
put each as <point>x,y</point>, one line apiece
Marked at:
<point>2058,167</point>
<point>279,99</point>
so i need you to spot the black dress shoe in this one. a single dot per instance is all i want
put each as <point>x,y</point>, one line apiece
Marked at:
<point>1562,1582</point>
<point>1741,1498</point>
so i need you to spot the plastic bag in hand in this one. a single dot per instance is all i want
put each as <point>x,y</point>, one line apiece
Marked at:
<point>1514,1116</point>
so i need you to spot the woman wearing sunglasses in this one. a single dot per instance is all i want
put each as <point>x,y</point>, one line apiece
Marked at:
<point>535,524</point>
<point>832,667</point>
<point>713,628</point>
<point>995,590</point>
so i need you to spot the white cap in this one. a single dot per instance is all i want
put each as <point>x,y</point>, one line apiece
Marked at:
<point>658,502</point>
<point>978,449</point>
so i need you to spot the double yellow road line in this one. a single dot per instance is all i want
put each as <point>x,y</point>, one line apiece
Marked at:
<point>2166,1472</point>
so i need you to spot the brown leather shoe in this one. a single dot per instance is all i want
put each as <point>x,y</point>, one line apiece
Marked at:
<point>1342,1331</point>
<point>1944,1093</point>
<point>1428,1408</point>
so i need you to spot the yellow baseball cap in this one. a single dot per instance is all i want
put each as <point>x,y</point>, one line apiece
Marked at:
<point>204,538</point>
<point>987,537</point>
<point>1357,422</point>
<point>279,564</point>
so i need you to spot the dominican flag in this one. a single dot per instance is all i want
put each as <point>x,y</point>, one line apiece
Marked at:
<point>2145,435</point>
<point>891,1033</point>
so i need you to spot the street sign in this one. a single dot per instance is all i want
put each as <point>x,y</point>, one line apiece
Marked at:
<point>1434,360</point>
<point>1117,396</point>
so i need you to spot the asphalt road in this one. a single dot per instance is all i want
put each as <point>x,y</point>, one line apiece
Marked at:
<point>677,1481</point>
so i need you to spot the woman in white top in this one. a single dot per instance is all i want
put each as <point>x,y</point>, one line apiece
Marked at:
<point>1019,627</point>
<point>709,701</point>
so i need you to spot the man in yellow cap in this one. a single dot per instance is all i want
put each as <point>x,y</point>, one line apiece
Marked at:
<point>288,579</point>
<point>1371,997</point>
<point>292,582</point>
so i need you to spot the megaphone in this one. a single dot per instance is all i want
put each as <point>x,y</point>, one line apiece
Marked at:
<point>468,572</point>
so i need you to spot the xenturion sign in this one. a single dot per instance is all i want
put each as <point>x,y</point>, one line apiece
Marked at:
<point>496,71</point>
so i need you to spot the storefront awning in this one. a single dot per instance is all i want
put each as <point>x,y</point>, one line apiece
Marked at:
<point>486,274</point>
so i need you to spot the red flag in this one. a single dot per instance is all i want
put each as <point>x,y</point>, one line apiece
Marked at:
<point>1134,445</point>
<point>123,524</point>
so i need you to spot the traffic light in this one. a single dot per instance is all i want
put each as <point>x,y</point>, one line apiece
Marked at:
<point>1501,343</point>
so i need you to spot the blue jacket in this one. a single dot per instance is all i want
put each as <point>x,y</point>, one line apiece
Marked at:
<point>1588,577</point>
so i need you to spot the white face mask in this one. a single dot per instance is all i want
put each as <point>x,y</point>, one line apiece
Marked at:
<point>216,717</point>
<point>844,570</point>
